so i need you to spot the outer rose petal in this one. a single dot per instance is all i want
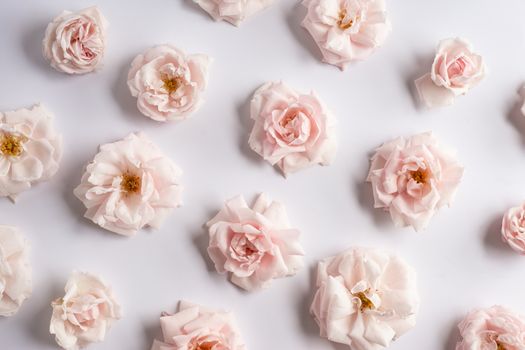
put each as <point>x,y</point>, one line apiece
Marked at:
<point>15,271</point>
<point>254,244</point>
<point>233,11</point>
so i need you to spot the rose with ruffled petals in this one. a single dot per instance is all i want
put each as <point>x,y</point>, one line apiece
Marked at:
<point>346,30</point>
<point>30,149</point>
<point>85,313</point>
<point>254,244</point>
<point>233,11</point>
<point>167,83</point>
<point>494,328</point>
<point>75,41</point>
<point>130,184</point>
<point>366,298</point>
<point>513,228</point>
<point>456,69</point>
<point>194,327</point>
<point>412,178</point>
<point>15,271</point>
<point>292,130</point>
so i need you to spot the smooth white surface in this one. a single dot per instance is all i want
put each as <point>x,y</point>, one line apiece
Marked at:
<point>459,258</point>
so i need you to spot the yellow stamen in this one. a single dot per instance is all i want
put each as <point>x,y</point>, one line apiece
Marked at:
<point>419,176</point>
<point>130,183</point>
<point>365,302</point>
<point>11,145</point>
<point>341,23</point>
<point>172,84</point>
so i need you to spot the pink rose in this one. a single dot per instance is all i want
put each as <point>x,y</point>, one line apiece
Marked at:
<point>194,327</point>
<point>75,42</point>
<point>84,314</point>
<point>30,149</point>
<point>412,178</point>
<point>495,328</point>
<point>167,83</point>
<point>456,69</point>
<point>513,228</point>
<point>366,298</point>
<point>233,11</point>
<point>15,271</point>
<point>346,30</point>
<point>255,245</point>
<point>291,129</point>
<point>130,184</point>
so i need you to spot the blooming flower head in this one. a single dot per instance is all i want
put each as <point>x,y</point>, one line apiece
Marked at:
<point>15,271</point>
<point>292,130</point>
<point>130,184</point>
<point>494,328</point>
<point>513,228</point>
<point>30,149</point>
<point>412,178</point>
<point>456,69</point>
<point>254,244</point>
<point>195,327</point>
<point>168,83</point>
<point>233,11</point>
<point>366,298</point>
<point>84,314</point>
<point>75,42</point>
<point>346,30</point>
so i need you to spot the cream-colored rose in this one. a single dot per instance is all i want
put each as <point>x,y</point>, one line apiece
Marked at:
<point>84,314</point>
<point>15,271</point>
<point>75,41</point>
<point>233,11</point>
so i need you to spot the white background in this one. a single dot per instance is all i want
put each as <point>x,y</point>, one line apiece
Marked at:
<point>460,260</point>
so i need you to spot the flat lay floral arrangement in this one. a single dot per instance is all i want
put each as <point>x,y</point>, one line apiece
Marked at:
<point>134,186</point>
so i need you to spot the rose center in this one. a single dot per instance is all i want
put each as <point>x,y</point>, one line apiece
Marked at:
<point>366,303</point>
<point>420,176</point>
<point>172,84</point>
<point>203,344</point>
<point>130,183</point>
<point>343,22</point>
<point>500,346</point>
<point>11,145</point>
<point>288,119</point>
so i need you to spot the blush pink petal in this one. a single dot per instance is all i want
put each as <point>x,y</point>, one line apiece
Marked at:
<point>513,228</point>
<point>233,11</point>
<point>254,244</point>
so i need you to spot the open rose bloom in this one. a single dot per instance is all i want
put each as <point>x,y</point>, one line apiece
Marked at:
<point>30,149</point>
<point>494,328</point>
<point>292,130</point>
<point>194,327</point>
<point>254,244</point>
<point>84,314</point>
<point>456,69</point>
<point>15,271</point>
<point>346,30</point>
<point>366,298</point>
<point>412,178</point>
<point>513,228</point>
<point>233,11</point>
<point>167,83</point>
<point>75,41</point>
<point>130,184</point>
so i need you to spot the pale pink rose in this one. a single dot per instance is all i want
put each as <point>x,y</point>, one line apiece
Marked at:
<point>495,328</point>
<point>75,41</point>
<point>30,149</point>
<point>15,271</point>
<point>130,184</point>
<point>513,228</point>
<point>456,69</point>
<point>366,298</point>
<point>194,327</point>
<point>85,313</point>
<point>292,130</point>
<point>167,83</point>
<point>254,244</point>
<point>233,11</point>
<point>412,178</point>
<point>346,30</point>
